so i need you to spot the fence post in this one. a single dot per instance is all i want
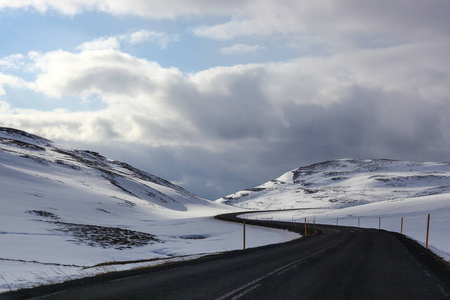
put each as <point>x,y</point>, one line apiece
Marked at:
<point>401,227</point>
<point>358,222</point>
<point>428,229</point>
<point>244,235</point>
<point>306,233</point>
<point>379,223</point>
<point>337,221</point>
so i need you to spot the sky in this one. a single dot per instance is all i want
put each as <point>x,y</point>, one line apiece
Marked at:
<point>217,96</point>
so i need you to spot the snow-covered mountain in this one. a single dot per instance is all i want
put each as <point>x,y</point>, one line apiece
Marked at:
<point>41,162</point>
<point>387,194</point>
<point>347,182</point>
<point>88,198</point>
<point>64,211</point>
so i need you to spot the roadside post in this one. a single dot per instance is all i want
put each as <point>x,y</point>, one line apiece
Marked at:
<point>244,235</point>
<point>306,234</point>
<point>401,227</point>
<point>428,229</point>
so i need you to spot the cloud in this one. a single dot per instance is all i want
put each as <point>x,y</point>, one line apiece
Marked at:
<point>4,107</point>
<point>101,44</point>
<point>237,49</point>
<point>13,61</point>
<point>131,39</point>
<point>152,8</point>
<point>147,103</point>
<point>103,72</point>
<point>334,20</point>
<point>234,103</point>
<point>328,18</point>
<point>133,90</point>
<point>141,36</point>
<point>11,81</point>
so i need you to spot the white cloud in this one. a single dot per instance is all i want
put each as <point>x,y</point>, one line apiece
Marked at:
<point>4,107</point>
<point>69,7</point>
<point>12,81</point>
<point>134,91</point>
<point>137,37</point>
<point>144,8</point>
<point>141,36</point>
<point>237,49</point>
<point>13,61</point>
<point>101,44</point>
<point>104,72</point>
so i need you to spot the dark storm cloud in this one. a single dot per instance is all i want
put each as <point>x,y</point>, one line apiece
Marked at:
<point>240,110</point>
<point>370,124</point>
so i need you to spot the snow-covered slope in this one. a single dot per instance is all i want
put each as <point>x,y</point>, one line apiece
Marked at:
<point>63,210</point>
<point>42,162</point>
<point>347,182</point>
<point>371,193</point>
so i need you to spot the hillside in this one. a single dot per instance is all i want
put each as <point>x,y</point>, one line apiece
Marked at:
<point>64,211</point>
<point>84,169</point>
<point>368,193</point>
<point>348,182</point>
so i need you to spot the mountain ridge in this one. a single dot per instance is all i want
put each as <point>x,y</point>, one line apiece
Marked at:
<point>345,182</point>
<point>20,143</point>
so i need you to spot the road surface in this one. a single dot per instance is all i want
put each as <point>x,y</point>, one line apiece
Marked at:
<point>338,263</point>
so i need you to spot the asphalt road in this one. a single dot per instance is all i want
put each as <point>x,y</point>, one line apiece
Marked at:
<point>339,263</point>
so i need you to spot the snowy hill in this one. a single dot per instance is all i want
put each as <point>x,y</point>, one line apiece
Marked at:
<point>66,210</point>
<point>366,193</point>
<point>84,170</point>
<point>347,182</point>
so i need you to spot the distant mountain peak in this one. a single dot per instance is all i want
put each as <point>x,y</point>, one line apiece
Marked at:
<point>345,182</point>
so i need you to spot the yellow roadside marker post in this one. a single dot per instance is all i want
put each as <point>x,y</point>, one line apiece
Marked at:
<point>244,235</point>
<point>428,229</point>
<point>306,234</point>
<point>401,227</point>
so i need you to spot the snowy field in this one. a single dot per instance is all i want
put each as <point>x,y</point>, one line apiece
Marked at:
<point>44,257</point>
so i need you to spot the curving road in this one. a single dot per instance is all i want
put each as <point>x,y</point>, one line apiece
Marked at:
<point>338,263</point>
